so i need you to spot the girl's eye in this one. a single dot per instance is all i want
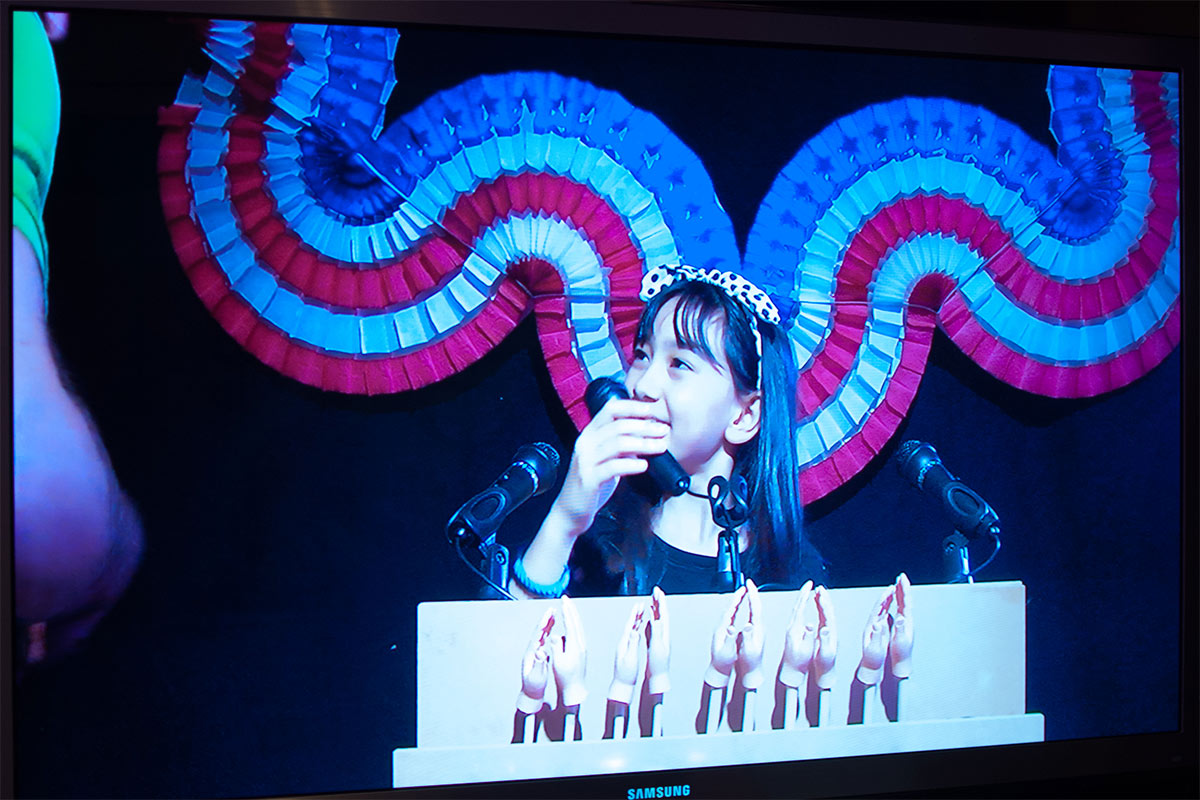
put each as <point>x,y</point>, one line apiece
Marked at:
<point>639,354</point>
<point>679,363</point>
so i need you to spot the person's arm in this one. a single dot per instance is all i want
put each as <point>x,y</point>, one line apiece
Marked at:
<point>77,538</point>
<point>613,445</point>
<point>546,558</point>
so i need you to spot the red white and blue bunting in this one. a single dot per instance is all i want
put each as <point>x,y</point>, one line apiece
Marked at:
<point>361,259</point>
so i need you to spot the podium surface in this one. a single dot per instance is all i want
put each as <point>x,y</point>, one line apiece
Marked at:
<point>967,687</point>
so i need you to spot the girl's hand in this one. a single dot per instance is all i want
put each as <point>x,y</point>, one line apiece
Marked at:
<point>614,444</point>
<point>658,660</point>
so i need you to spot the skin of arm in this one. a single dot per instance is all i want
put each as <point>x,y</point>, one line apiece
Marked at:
<point>610,447</point>
<point>77,539</point>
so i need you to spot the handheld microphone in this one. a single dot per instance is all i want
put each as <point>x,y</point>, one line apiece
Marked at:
<point>920,465</point>
<point>663,468</point>
<point>533,471</point>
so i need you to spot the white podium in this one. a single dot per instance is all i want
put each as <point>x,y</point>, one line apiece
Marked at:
<point>967,687</point>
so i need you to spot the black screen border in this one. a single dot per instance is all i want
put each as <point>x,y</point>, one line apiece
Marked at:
<point>1073,32</point>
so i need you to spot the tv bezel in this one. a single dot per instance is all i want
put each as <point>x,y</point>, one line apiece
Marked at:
<point>1076,33</point>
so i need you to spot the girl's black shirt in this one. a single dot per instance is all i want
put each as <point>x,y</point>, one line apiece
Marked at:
<point>595,570</point>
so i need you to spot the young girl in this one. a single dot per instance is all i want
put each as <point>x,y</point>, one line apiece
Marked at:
<point>713,382</point>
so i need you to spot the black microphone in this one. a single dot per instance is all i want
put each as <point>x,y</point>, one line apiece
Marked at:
<point>533,471</point>
<point>663,468</point>
<point>920,465</point>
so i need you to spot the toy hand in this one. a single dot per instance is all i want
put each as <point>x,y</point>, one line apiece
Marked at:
<point>658,660</point>
<point>902,630</point>
<point>875,640</point>
<point>570,657</point>
<point>535,667</point>
<point>750,647</point>
<point>826,654</point>
<point>625,669</point>
<point>799,643</point>
<point>724,645</point>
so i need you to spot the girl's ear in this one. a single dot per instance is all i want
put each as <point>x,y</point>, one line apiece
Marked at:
<point>744,426</point>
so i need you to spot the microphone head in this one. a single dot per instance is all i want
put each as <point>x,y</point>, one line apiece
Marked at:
<point>543,461</point>
<point>600,391</point>
<point>914,459</point>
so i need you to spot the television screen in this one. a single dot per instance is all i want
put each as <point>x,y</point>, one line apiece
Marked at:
<point>291,286</point>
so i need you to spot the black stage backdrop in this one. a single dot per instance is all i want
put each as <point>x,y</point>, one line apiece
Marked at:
<point>266,644</point>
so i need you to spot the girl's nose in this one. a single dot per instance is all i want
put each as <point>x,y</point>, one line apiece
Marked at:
<point>645,383</point>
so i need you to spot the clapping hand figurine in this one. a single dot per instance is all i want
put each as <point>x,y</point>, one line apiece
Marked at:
<point>625,668</point>
<point>658,659</point>
<point>901,646</point>
<point>750,642</point>
<point>535,667</point>
<point>875,640</point>
<point>826,654</point>
<point>799,643</point>
<point>724,650</point>
<point>570,657</point>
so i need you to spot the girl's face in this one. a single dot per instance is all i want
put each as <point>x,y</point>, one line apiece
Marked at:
<point>696,396</point>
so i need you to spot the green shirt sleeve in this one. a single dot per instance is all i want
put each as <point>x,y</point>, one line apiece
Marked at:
<point>35,128</point>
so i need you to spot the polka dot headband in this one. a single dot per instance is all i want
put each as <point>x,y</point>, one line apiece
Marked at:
<point>740,290</point>
<point>752,298</point>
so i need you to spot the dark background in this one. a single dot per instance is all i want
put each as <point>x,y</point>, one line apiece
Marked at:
<point>266,643</point>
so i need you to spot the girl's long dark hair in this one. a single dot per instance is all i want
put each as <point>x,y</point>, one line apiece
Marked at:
<point>768,462</point>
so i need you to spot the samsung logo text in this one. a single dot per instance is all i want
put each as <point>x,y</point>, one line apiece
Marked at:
<point>653,792</point>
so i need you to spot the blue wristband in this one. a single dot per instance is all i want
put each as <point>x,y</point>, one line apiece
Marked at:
<point>547,590</point>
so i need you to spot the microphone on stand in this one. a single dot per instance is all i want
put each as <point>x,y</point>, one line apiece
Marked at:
<point>473,527</point>
<point>662,467</point>
<point>970,514</point>
<point>729,501</point>
<point>920,464</point>
<point>533,470</point>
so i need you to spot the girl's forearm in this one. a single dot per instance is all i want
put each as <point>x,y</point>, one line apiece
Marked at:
<point>549,551</point>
